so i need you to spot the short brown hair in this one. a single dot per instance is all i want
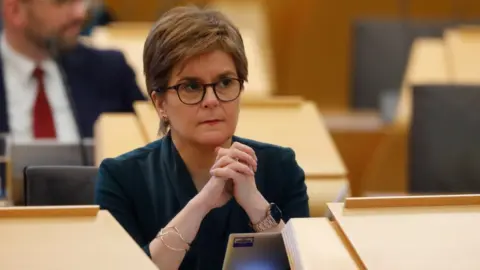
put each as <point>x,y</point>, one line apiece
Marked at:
<point>184,32</point>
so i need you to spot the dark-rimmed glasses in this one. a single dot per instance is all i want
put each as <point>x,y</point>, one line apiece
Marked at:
<point>193,92</point>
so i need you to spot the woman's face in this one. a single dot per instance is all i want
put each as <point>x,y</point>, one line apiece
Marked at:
<point>211,121</point>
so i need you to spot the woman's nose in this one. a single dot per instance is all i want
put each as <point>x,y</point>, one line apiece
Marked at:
<point>210,99</point>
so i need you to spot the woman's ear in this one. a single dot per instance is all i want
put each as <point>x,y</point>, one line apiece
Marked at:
<point>159,102</point>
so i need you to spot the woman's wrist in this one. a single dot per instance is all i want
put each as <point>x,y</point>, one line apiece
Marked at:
<point>200,204</point>
<point>256,208</point>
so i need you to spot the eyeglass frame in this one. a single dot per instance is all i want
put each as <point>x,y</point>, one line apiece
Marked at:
<point>205,87</point>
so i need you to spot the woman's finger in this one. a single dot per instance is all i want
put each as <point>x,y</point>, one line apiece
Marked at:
<point>245,148</point>
<point>243,157</point>
<point>221,152</point>
<point>225,173</point>
<point>241,168</point>
<point>222,162</point>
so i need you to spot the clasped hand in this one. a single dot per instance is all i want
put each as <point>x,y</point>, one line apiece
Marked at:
<point>233,174</point>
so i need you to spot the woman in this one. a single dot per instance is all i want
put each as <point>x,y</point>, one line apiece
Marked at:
<point>181,197</point>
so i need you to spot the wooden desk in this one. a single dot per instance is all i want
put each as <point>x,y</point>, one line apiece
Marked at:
<point>82,242</point>
<point>313,243</point>
<point>299,126</point>
<point>463,54</point>
<point>116,134</point>
<point>148,118</point>
<point>433,232</point>
<point>325,190</point>
<point>356,134</point>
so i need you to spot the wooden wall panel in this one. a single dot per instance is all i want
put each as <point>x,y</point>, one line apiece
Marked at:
<point>312,38</point>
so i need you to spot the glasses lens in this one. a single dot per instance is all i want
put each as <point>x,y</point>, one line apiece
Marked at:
<point>190,93</point>
<point>228,89</point>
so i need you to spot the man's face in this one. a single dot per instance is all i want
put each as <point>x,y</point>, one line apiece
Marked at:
<point>61,20</point>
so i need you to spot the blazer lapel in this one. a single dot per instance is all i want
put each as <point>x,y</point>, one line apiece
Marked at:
<point>77,86</point>
<point>4,125</point>
<point>175,170</point>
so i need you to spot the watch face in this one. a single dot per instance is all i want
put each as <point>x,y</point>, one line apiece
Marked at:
<point>276,213</point>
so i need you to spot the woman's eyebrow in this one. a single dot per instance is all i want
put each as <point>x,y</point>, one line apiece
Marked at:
<point>197,79</point>
<point>226,74</point>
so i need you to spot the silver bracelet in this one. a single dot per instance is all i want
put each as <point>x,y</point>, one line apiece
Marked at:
<point>163,233</point>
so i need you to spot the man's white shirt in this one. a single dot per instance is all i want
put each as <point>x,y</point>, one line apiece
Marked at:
<point>21,91</point>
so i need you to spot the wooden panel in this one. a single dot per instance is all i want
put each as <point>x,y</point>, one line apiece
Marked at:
<point>116,134</point>
<point>417,237</point>
<point>95,242</point>
<point>312,39</point>
<point>356,135</point>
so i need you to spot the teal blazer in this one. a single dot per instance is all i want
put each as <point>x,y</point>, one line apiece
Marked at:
<point>144,189</point>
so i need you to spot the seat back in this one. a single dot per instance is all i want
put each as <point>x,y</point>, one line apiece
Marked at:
<point>444,154</point>
<point>59,185</point>
<point>380,53</point>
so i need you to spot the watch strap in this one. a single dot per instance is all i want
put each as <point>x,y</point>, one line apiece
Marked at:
<point>267,223</point>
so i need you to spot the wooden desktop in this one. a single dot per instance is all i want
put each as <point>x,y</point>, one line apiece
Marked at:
<point>66,238</point>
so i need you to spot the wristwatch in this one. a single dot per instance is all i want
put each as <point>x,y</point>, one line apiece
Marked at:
<point>271,220</point>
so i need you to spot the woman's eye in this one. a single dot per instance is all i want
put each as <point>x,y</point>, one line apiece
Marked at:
<point>225,83</point>
<point>191,86</point>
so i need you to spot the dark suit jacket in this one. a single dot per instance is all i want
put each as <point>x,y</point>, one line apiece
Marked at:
<point>146,188</point>
<point>100,81</point>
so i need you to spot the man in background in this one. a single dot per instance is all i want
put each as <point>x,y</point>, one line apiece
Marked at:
<point>34,101</point>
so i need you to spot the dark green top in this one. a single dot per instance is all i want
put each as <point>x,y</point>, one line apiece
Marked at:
<point>144,189</point>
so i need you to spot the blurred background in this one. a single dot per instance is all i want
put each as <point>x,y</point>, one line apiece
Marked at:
<point>392,84</point>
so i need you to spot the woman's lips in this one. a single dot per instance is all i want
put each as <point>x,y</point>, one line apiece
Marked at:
<point>211,122</point>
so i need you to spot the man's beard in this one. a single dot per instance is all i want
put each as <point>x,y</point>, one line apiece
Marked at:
<point>45,42</point>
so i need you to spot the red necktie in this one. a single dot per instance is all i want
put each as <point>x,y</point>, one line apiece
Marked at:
<point>43,124</point>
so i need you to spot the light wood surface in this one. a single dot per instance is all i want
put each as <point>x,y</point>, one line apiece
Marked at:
<point>463,54</point>
<point>92,242</point>
<point>116,134</point>
<point>356,134</point>
<point>412,201</point>
<point>148,118</point>
<point>300,127</point>
<point>49,211</point>
<point>312,243</point>
<point>325,190</point>
<point>412,237</point>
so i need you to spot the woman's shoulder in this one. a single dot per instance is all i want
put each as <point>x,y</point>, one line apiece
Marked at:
<point>132,157</point>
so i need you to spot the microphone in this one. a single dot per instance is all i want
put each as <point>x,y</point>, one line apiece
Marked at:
<point>54,50</point>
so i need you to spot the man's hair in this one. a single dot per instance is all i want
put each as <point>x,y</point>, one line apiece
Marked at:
<point>184,32</point>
